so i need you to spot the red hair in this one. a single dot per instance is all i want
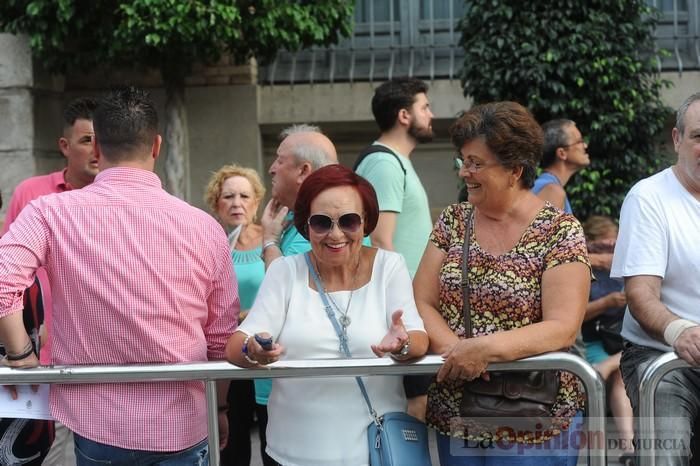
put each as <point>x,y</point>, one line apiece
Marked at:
<point>332,176</point>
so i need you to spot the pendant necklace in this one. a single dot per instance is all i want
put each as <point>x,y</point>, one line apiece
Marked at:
<point>343,318</point>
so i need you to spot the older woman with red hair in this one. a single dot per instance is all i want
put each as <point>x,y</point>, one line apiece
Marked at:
<point>318,421</point>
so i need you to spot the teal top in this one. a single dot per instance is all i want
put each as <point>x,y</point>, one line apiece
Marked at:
<point>291,242</point>
<point>250,271</point>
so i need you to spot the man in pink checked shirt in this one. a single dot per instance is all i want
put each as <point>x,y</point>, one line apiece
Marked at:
<point>138,276</point>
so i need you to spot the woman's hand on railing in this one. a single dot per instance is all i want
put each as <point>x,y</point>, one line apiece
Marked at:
<point>396,339</point>
<point>259,354</point>
<point>464,361</point>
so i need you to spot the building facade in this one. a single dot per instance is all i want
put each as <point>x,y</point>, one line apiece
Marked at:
<point>236,112</point>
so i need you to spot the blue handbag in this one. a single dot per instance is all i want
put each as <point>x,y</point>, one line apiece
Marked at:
<point>396,438</point>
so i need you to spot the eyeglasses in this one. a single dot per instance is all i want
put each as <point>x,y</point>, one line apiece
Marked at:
<point>472,166</point>
<point>322,224</point>
<point>580,141</point>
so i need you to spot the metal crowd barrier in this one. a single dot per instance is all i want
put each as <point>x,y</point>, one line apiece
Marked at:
<point>647,395</point>
<point>209,372</point>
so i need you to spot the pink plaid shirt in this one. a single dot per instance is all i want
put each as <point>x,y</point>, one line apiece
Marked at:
<point>30,189</point>
<point>137,276</point>
<point>24,193</point>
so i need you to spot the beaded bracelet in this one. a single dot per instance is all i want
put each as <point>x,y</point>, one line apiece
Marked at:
<point>28,351</point>
<point>269,244</point>
<point>244,350</point>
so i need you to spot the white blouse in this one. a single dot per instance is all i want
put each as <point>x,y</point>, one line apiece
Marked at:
<point>323,421</point>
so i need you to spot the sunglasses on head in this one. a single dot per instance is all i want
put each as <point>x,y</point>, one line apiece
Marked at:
<point>322,224</point>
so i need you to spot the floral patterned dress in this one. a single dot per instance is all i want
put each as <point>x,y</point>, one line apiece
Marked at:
<point>505,293</point>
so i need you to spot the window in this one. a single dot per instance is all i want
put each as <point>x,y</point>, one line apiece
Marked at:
<point>418,38</point>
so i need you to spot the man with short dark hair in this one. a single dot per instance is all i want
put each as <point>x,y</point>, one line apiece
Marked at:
<point>402,112</point>
<point>139,277</point>
<point>76,145</point>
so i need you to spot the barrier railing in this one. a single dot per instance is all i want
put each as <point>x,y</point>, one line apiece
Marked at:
<point>647,394</point>
<point>209,372</point>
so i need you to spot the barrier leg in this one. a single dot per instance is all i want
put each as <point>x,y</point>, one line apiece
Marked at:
<point>213,422</point>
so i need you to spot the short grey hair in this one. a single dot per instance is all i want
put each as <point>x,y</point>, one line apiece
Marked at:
<point>301,128</point>
<point>315,155</point>
<point>554,137</point>
<point>680,115</point>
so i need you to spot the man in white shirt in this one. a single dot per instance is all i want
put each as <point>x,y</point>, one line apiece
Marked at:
<point>658,254</point>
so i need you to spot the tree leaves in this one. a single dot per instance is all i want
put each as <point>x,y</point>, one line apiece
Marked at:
<point>170,34</point>
<point>589,61</point>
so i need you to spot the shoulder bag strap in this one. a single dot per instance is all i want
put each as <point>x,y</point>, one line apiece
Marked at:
<point>339,332</point>
<point>373,149</point>
<point>466,311</point>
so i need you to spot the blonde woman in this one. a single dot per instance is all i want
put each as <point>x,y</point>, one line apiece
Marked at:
<point>234,194</point>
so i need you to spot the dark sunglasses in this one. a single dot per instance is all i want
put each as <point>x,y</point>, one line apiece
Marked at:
<point>322,224</point>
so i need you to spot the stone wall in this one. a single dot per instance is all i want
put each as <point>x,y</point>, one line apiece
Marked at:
<point>30,106</point>
<point>16,125</point>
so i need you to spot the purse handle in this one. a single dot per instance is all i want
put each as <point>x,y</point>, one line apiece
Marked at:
<point>466,311</point>
<point>341,336</point>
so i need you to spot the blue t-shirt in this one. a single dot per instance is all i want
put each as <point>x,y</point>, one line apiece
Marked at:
<point>545,179</point>
<point>603,286</point>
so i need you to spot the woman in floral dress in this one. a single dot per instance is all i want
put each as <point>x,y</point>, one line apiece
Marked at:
<point>528,275</point>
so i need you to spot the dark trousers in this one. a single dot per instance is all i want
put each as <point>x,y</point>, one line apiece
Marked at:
<point>242,406</point>
<point>677,407</point>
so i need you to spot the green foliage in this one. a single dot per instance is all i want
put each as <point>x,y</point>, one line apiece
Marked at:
<point>169,34</point>
<point>296,24</point>
<point>588,61</point>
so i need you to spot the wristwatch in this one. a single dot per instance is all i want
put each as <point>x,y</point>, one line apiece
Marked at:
<point>403,352</point>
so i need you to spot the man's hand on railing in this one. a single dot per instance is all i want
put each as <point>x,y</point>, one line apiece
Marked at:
<point>25,363</point>
<point>687,346</point>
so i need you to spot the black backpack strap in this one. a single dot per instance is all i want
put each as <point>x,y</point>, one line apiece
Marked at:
<point>374,148</point>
